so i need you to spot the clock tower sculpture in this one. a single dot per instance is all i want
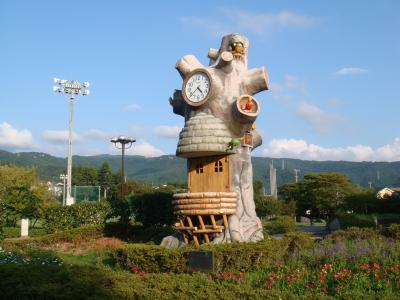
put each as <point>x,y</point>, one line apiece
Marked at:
<point>219,108</point>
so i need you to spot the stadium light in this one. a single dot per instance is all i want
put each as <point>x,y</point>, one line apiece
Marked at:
<point>123,143</point>
<point>72,88</point>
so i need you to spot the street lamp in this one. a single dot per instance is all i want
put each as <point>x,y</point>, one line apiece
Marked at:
<point>63,177</point>
<point>73,88</point>
<point>125,143</point>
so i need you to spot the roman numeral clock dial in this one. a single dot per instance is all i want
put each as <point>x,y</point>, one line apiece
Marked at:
<point>196,88</point>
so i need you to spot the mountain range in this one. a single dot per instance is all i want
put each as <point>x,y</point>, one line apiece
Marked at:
<point>172,169</point>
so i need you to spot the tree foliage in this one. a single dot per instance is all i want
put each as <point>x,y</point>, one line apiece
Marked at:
<point>22,195</point>
<point>322,194</point>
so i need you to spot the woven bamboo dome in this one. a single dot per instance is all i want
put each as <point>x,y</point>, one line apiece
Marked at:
<point>203,135</point>
<point>203,215</point>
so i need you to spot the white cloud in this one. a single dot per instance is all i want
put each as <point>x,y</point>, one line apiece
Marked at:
<point>96,134</point>
<point>350,71</point>
<point>144,148</point>
<point>290,89</point>
<point>333,101</point>
<point>292,148</point>
<point>320,120</point>
<point>60,136</point>
<point>171,132</point>
<point>133,107</point>
<point>13,139</point>
<point>214,28</point>
<point>235,20</point>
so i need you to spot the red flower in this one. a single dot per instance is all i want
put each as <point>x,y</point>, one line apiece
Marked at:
<point>325,289</point>
<point>135,269</point>
<point>376,266</point>
<point>322,277</point>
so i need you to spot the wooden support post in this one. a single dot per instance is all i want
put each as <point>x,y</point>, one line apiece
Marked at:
<point>225,221</point>
<point>195,239</point>
<point>214,224</point>
<point>203,227</point>
<point>185,239</point>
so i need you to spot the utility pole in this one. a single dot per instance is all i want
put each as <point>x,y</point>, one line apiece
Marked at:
<point>73,88</point>
<point>370,184</point>
<point>296,175</point>
<point>283,164</point>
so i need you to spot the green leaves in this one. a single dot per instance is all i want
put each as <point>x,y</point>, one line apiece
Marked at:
<point>77,215</point>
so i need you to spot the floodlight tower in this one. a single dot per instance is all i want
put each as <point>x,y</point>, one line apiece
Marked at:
<point>72,88</point>
<point>126,143</point>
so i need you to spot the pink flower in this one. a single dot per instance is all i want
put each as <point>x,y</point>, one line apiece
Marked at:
<point>135,269</point>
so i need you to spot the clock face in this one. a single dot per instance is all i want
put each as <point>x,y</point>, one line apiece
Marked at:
<point>197,87</point>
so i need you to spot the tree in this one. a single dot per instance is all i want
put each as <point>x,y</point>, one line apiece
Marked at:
<point>323,193</point>
<point>106,179</point>
<point>267,206</point>
<point>22,195</point>
<point>84,176</point>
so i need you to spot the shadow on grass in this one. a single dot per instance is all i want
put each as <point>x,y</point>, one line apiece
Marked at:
<point>49,281</point>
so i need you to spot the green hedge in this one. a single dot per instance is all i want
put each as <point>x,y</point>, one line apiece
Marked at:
<point>235,257</point>
<point>83,234</point>
<point>280,224</point>
<point>355,220</point>
<point>137,233</point>
<point>15,232</point>
<point>153,209</point>
<point>81,214</point>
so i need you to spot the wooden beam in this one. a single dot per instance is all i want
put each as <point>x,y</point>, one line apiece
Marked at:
<point>195,239</point>
<point>203,227</point>
<point>225,221</point>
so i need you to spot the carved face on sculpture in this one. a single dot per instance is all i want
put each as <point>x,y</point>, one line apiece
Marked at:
<point>237,44</point>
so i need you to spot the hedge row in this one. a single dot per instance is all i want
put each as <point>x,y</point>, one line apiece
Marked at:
<point>82,233</point>
<point>81,214</point>
<point>235,257</point>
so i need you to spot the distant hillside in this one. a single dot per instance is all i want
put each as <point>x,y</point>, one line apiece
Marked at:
<point>171,169</point>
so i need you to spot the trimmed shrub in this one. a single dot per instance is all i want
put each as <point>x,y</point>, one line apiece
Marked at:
<point>153,208</point>
<point>355,220</point>
<point>281,224</point>
<point>136,232</point>
<point>81,214</point>
<point>298,241</point>
<point>393,231</point>
<point>235,257</point>
<point>355,233</point>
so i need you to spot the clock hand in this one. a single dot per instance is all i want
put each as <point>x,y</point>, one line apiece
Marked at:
<point>193,92</point>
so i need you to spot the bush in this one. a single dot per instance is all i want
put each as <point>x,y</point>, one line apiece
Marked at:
<point>136,232</point>
<point>81,214</point>
<point>268,206</point>
<point>393,231</point>
<point>355,233</point>
<point>281,224</point>
<point>15,232</point>
<point>355,220</point>
<point>298,241</point>
<point>153,208</point>
<point>235,257</point>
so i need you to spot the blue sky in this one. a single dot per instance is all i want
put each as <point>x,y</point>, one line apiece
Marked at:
<point>333,67</point>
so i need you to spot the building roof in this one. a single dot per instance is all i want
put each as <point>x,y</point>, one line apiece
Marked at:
<point>203,134</point>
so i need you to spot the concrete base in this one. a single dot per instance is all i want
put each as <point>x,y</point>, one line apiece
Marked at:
<point>24,227</point>
<point>70,201</point>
